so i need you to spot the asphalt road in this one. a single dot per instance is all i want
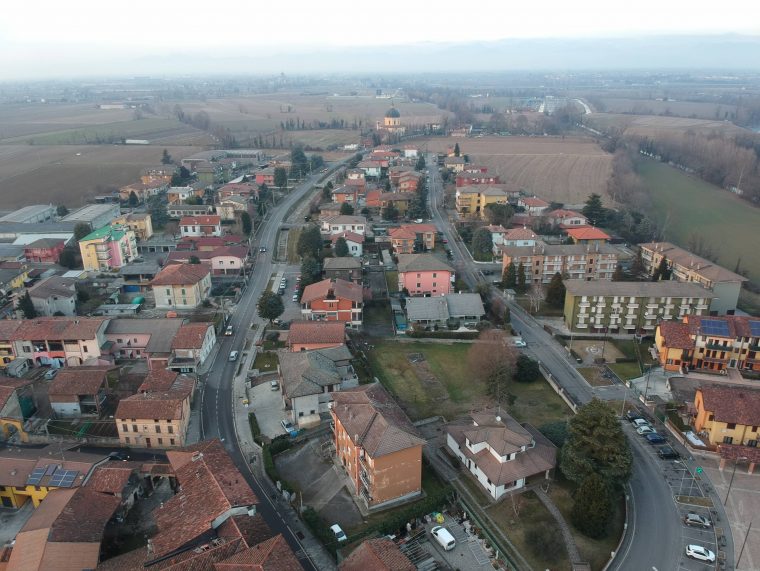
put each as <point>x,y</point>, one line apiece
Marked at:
<point>654,542</point>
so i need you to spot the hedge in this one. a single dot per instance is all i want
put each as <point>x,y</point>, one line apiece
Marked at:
<point>443,334</point>
<point>255,430</point>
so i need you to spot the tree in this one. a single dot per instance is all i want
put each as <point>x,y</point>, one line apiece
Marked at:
<point>390,212</point>
<point>310,272</point>
<point>81,230</point>
<point>482,245</point>
<point>592,506</point>
<point>280,177</point>
<point>194,200</point>
<point>526,369</point>
<point>420,163</point>
<point>133,200</point>
<point>536,295</point>
<point>245,220</point>
<point>555,431</point>
<point>68,258</point>
<point>180,178</point>
<point>83,296</point>
<point>62,210</point>
<point>555,293</point>
<point>637,267</point>
<point>456,150</point>
<point>521,278</point>
<point>509,278</point>
<point>594,211</point>
<point>346,209</point>
<point>341,247</point>
<point>491,361</point>
<point>387,185</point>
<point>663,271</point>
<point>327,191</point>
<point>270,305</point>
<point>158,215</point>
<point>596,444</point>
<point>26,306</point>
<point>166,158</point>
<point>507,315</point>
<point>195,260</point>
<point>310,242</point>
<point>499,214</point>
<point>618,275</point>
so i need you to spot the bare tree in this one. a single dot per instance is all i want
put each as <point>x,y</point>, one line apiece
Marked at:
<point>492,361</point>
<point>536,296</point>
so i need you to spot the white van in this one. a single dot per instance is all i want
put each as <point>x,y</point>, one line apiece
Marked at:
<point>444,537</point>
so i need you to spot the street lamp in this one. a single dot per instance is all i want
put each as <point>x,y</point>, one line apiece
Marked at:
<point>731,482</point>
<point>646,390</point>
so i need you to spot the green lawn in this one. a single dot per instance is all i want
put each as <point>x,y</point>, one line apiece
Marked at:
<point>266,361</point>
<point>692,206</point>
<point>626,371</point>
<point>537,403</point>
<point>391,278</point>
<point>107,133</point>
<point>293,257</point>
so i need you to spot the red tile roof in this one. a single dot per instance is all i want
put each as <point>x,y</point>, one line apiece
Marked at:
<point>112,478</point>
<point>534,202</point>
<point>271,555</point>
<point>240,252</point>
<point>57,328</point>
<point>181,274</point>
<point>78,381</point>
<point>158,380</point>
<point>740,405</point>
<point>8,328</point>
<point>8,386</point>
<point>562,213</point>
<point>349,236</point>
<point>421,228</point>
<point>402,233</point>
<point>207,220</point>
<point>587,233</point>
<point>377,555</point>
<point>319,332</point>
<point>191,336</point>
<point>738,325</point>
<point>162,404</point>
<point>341,289</point>
<point>676,335</point>
<point>523,233</point>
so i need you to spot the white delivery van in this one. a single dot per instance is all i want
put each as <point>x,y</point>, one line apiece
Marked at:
<point>443,537</point>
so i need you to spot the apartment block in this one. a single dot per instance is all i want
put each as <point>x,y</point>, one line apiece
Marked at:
<point>577,261</point>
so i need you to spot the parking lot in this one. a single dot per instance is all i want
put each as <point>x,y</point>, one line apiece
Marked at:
<point>267,405</point>
<point>468,553</point>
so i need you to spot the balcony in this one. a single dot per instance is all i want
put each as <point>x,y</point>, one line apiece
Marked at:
<point>365,479</point>
<point>715,359</point>
<point>754,347</point>
<point>364,492</point>
<point>718,346</point>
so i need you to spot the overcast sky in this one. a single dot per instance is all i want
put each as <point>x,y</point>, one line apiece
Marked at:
<point>77,36</point>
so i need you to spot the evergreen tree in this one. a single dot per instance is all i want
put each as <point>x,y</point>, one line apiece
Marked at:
<point>280,177</point>
<point>62,210</point>
<point>456,150</point>
<point>270,305</point>
<point>592,507</point>
<point>637,267</point>
<point>310,242</point>
<point>482,245</point>
<point>245,220</point>
<point>594,211</point>
<point>390,212</point>
<point>555,293</point>
<point>310,272</point>
<point>526,369</point>
<point>619,275</point>
<point>195,260</point>
<point>341,248</point>
<point>662,273</point>
<point>509,279</point>
<point>507,316</point>
<point>133,200</point>
<point>26,306</point>
<point>521,278</point>
<point>420,163</point>
<point>81,230</point>
<point>166,158</point>
<point>346,209</point>
<point>68,258</point>
<point>327,191</point>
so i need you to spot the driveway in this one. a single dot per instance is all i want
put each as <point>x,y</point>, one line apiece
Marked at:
<point>11,521</point>
<point>267,405</point>
<point>468,553</point>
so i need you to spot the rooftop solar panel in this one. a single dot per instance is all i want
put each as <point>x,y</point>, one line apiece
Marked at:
<point>754,327</point>
<point>714,327</point>
<point>51,468</point>
<point>35,477</point>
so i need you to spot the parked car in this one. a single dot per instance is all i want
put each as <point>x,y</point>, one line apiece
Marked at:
<point>644,430</point>
<point>118,455</point>
<point>638,422</point>
<point>234,356</point>
<point>700,553</point>
<point>228,331</point>
<point>295,297</point>
<point>287,426</point>
<point>655,438</point>
<point>262,249</point>
<point>667,453</point>
<point>274,385</point>
<point>696,520</point>
<point>443,537</point>
<point>632,415</point>
<point>338,532</point>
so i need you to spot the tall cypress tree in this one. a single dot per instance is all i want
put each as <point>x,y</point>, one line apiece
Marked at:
<point>521,278</point>
<point>510,276</point>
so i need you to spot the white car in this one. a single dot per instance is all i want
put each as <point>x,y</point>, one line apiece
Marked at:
<point>644,430</point>
<point>339,535</point>
<point>639,422</point>
<point>295,297</point>
<point>700,553</point>
<point>234,356</point>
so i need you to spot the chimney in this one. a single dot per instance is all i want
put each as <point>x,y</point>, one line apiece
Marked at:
<point>197,456</point>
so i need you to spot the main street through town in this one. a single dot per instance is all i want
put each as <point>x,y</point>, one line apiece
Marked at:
<point>653,541</point>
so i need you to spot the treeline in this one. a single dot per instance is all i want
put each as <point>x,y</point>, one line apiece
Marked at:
<point>299,124</point>
<point>202,121</point>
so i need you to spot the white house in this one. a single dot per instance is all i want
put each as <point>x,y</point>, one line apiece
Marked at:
<point>344,223</point>
<point>533,206</point>
<point>191,346</point>
<point>354,241</point>
<point>54,295</point>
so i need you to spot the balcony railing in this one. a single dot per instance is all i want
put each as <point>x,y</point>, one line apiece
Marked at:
<point>365,479</point>
<point>715,359</point>
<point>718,346</point>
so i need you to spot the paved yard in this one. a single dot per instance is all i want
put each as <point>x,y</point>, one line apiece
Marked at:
<point>11,521</point>
<point>267,405</point>
<point>468,553</point>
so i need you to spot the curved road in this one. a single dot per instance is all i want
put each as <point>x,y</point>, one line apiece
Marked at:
<point>654,540</point>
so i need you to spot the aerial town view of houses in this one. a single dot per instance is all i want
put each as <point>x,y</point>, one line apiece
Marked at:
<point>470,322</point>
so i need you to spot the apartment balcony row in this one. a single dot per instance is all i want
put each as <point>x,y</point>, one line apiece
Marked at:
<point>715,359</point>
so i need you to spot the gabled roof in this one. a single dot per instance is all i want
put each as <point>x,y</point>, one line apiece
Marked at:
<point>74,381</point>
<point>191,336</point>
<point>9,385</point>
<point>737,325</point>
<point>181,274</point>
<point>166,404</point>
<point>420,228</point>
<point>427,309</point>
<point>401,234</point>
<point>421,263</point>
<point>349,237</point>
<point>319,332</point>
<point>697,264</point>
<point>345,263</point>
<point>8,328</point>
<point>274,554</point>
<point>587,233</point>
<point>339,288</point>
<point>523,233</point>
<point>377,555</point>
<point>207,220</point>
<point>307,373</point>
<point>370,413</point>
<point>112,477</point>
<point>346,219</point>
<point>739,405</point>
<point>638,289</point>
<point>461,304</point>
<point>56,328</point>
<point>534,202</point>
<point>563,213</point>
<point>676,335</point>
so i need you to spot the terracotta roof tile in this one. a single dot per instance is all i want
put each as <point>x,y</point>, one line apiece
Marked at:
<point>158,403</point>
<point>676,335</point>
<point>587,233</point>
<point>111,478</point>
<point>56,328</point>
<point>191,336</point>
<point>78,381</point>
<point>377,555</point>
<point>271,555</point>
<point>340,289</point>
<point>738,405</point>
<point>8,386</point>
<point>321,332</point>
<point>208,220</point>
<point>181,274</point>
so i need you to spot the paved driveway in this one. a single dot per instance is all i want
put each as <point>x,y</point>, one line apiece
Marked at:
<point>267,405</point>
<point>468,553</point>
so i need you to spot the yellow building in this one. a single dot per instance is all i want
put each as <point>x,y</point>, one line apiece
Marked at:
<point>728,414</point>
<point>140,223</point>
<point>158,416</point>
<point>472,200</point>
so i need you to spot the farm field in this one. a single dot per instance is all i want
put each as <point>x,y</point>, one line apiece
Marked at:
<point>562,170</point>
<point>692,109</point>
<point>31,174</point>
<point>654,126</point>
<point>693,206</point>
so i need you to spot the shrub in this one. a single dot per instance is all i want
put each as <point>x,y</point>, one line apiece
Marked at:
<point>280,444</point>
<point>443,334</point>
<point>542,541</point>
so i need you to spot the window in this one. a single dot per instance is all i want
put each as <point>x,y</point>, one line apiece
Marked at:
<point>125,428</point>
<point>171,441</point>
<point>126,439</point>
<point>160,440</point>
<point>728,440</point>
<point>300,414</point>
<point>158,429</point>
<point>752,443</point>
<point>168,291</point>
<point>435,275</point>
<point>119,340</point>
<point>711,417</point>
<point>754,429</point>
<point>731,425</point>
<point>134,428</point>
<point>170,429</point>
<point>84,348</point>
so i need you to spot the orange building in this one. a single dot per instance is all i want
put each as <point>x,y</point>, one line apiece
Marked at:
<point>378,446</point>
<point>333,300</point>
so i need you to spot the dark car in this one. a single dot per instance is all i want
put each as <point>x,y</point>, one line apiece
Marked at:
<point>119,455</point>
<point>655,438</point>
<point>667,453</point>
<point>632,415</point>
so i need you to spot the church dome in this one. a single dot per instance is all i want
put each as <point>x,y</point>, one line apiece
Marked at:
<point>392,113</point>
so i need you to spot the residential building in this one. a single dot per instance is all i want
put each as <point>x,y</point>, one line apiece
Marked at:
<point>728,414</point>
<point>16,407</point>
<point>245,190</point>
<point>137,275</point>
<point>473,178</point>
<point>209,225</point>
<point>354,241</point>
<point>79,391</point>
<point>588,235</point>
<point>453,311</point>
<point>64,533</point>
<point>265,176</point>
<point>182,210</point>
<point>191,347</point>
<point>142,191</point>
<point>533,206</point>
<point>577,261</point>
<point>44,250</point>
<point>456,164</point>
<point>410,152</point>
<point>400,200</point>
<point>94,215</point>
<point>159,414</point>
<point>348,194</point>
<point>519,237</point>
<point>308,378</point>
<point>566,218</point>
<point>60,341</point>
<point>630,307</point>
<point>108,249</point>
<point>710,343</point>
<point>380,554</point>
<point>403,240</point>
<point>378,446</point>
<point>141,223</point>
<point>7,351</point>
<point>232,207</point>
<point>224,260</point>
<point>409,182</point>
<point>472,200</point>
<point>55,295</point>
<point>425,233</point>
<point>348,269</point>
<point>162,174</point>
<point>182,286</point>
<point>424,275</point>
<point>149,339</point>
<point>372,198</point>
<point>373,169</point>
<point>344,223</point>
<point>32,214</point>
<point>333,300</point>
<point>354,174</point>
<point>499,451</point>
<point>179,194</point>
<point>688,267</point>
<point>310,335</point>
<point>330,210</point>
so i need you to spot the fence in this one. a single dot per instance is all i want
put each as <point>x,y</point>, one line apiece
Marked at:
<point>558,389</point>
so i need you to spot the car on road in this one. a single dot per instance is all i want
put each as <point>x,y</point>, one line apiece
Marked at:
<point>644,430</point>
<point>696,520</point>
<point>338,532</point>
<point>262,249</point>
<point>274,385</point>
<point>520,343</point>
<point>228,331</point>
<point>234,355</point>
<point>118,455</point>
<point>700,553</point>
<point>632,415</point>
<point>295,297</point>
<point>655,438</point>
<point>667,453</point>
<point>445,241</point>
<point>639,422</point>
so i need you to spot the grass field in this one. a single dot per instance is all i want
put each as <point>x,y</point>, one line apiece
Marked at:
<point>655,125</point>
<point>691,109</point>
<point>564,170</point>
<point>692,206</point>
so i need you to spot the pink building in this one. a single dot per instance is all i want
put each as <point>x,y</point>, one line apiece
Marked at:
<point>424,275</point>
